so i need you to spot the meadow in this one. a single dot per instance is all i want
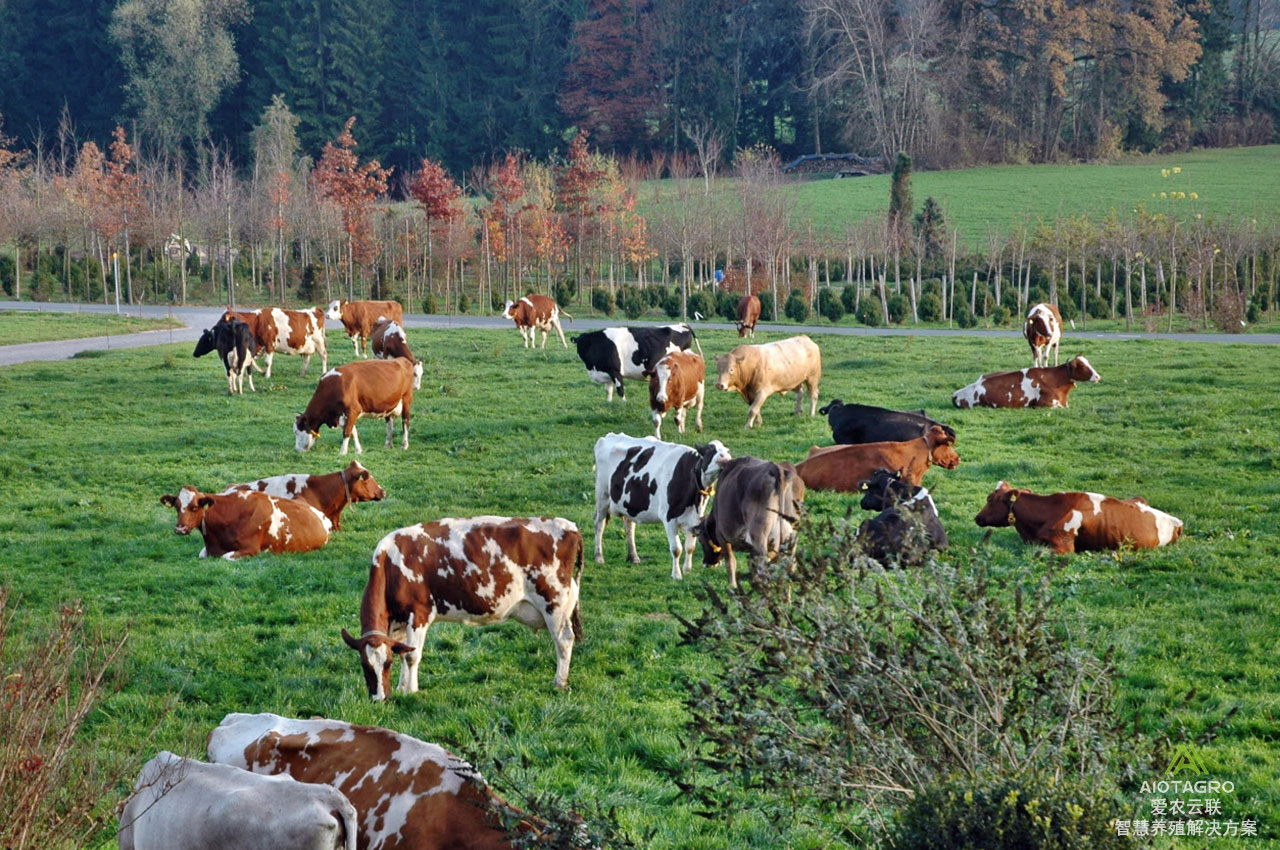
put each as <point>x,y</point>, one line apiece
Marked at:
<point>499,429</point>
<point>20,326</point>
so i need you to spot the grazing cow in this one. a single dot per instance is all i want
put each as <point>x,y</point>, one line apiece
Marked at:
<point>865,423</point>
<point>908,525</point>
<point>1046,386</point>
<point>382,389</point>
<point>645,480</point>
<point>844,468</point>
<point>359,317</point>
<point>748,315</point>
<point>1043,331</point>
<point>286,332</point>
<point>1078,522</point>
<point>676,383</point>
<point>183,804</point>
<point>328,494</point>
<point>388,341</point>
<point>534,313</point>
<point>246,523</point>
<point>475,571</point>
<point>758,371</point>
<point>757,509</point>
<point>616,353</point>
<point>408,794</point>
<point>234,343</point>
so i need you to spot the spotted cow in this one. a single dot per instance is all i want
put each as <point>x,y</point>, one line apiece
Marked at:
<point>534,313</point>
<point>359,317</point>
<point>616,353</point>
<point>676,383</point>
<point>234,343</point>
<point>388,341</point>
<point>277,331</point>
<point>246,523</point>
<point>1043,330</point>
<point>1046,386</point>
<point>328,494</point>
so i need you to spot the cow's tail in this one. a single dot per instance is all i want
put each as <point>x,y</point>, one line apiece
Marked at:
<point>253,364</point>
<point>575,619</point>
<point>566,314</point>
<point>347,817</point>
<point>695,341</point>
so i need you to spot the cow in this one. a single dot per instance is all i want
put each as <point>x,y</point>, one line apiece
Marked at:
<point>534,313</point>
<point>642,479</point>
<point>285,332</point>
<point>476,571</point>
<point>843,468</point>
<point>908,525</point>
<point>865,423</point>
<point>388,341</point>
<point>234,343</point>
<point>1043,330</point>
<point>1046,386</point>
<point>748,315</point>
<point>676,383</point>
<point>612,354</point>
<point>408,794</point>
<point>758,371</point>
<point>246,523</point>
<point>183,804</point>
<point>756,509</point>
<point>359,317</point>
<point>1078,522</point>
<point>328,494</point>
<point>382,389</point>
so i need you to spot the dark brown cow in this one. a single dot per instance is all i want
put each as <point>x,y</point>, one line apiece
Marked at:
<point>676,383</point>
<point>286,332</point>
<point>1046,386</point>
<point>476,571</point>
<point>382,389</point>
<point>359,317</point>
<point>534,313</point>
<point>242,524</point>
<point>756,509</point>
<point>844,468</point>
<point>1078,522</point>
<point>328,494</point>
<point>1043,330</point>
<point>748,315</point>
<point>389,341</point>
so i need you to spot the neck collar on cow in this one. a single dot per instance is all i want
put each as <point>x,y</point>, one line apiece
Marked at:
<point>346,486</point>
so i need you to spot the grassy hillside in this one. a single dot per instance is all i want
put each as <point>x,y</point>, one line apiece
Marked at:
<point>499,429</point>
<point>19,326</point>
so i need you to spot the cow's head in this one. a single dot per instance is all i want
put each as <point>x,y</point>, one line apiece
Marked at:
<point>712,551</point>
<point>377,653</point>
<point>940,446</point>
<point>190,504</point>
<point>335,310</point>
<point>360,484</point>
<point>998,512</point>
<point>305,433</point>
<point>726,371</point>
<point>205,344</point>
<point>712,457</point>
<point>506,310</point>
<point>417,374</point>
<point>1082,370</point>
<point>884,489</point>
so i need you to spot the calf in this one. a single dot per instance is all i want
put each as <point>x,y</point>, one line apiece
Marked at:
<point>645,480</point>
<point>1043,330</point>
<point>1034,387</point>
<point>359,317</point>
<point>616,353</point>
<point>908,525</point>
<point>286,332</point>
<point>865,423</point>
<point>234,343</point>
<point>1078,522</point>
<point>758,371</point>
<point>246,523</point>
<point>676,383</point>
<point>328,494</point>
<point>844,468</point>
<point>757,509</point>
<point>388,341</point>
<point>534,313</point>
<point>748,315</point>
<point>475,571</point>
<point>382,389</point>
<point>182,804</point>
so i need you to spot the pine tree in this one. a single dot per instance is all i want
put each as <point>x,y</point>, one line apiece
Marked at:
<point>900,205</point>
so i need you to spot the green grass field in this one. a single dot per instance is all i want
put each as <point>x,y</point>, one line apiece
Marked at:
<point>498,429</point>
<point>19,326</point>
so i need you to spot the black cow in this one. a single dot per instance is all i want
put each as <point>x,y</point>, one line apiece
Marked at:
<point>757,509</point>
<point>234,342</point>
<point>616,353</point>
<point>907,526</point>
<point>853,424</point>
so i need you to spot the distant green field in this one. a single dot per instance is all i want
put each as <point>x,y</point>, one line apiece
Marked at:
<point>499,429</point>
<point>19,326</point>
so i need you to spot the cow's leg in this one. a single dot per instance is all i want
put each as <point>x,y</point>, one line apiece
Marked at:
<point>323,348</point>
<point>404,429</point>
<point>732,561</point>
<point>680,413</point>
<point>544,338</point>
<point>349,432</point>
<point>753,412</point>
<point>813,398</point>
<point>657,424</point>
<point>622,391</point>
<point>602,520</point>
<point>415,636</point>
<point>562,634</point>
<point>673,543</point>
<point>231,381</point>
<point>560,331</point>
<point>630,525</point>
<point>688,551</point>
<point>608,392</point>
<point>698,399</point>
<point>306,364</point>
<point>247,371</point>
<point>271,358</point>
<point>391,429</point>
<point>1055,533</point>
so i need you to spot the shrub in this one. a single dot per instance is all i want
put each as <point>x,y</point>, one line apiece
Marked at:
<point>464,303</point>
<point>1229,312</point>
<point>631,302</point>
<point>767,310</point>
<point>655,295</point>
<point>600,300</point>
<point>702,303</point>
<point>899,308</point>
<point>1000,315</point>
<point>963,315</point>
<point>1098,306</point>
<point>727,306</point>
<point>930,307</point>
<point>564,291</point>
<point>849,297</point>
<point>869,312</point>
<point>671,306</point>
<point>1069,308</point>
<point>430,304</point>
<point>796,308</point>
<point>307,285</point>
<point>830,305</point>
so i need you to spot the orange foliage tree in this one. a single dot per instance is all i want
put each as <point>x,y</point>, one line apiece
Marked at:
<point>353,188</point>
<point>438,196</point>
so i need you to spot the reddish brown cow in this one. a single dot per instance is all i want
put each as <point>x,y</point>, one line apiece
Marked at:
<point>676,383</point>
<point>328,494</point>
<point>247,523</point>
<point>1046,386</point>
<point>359,317</point>
<point>1043,330</point>
<point>1078,522</point>
<point>844,468</point>
<point>748,315</point>
<point>534,313</point>
<point>382,389</point>
<point>286,332</point>
<point>388,341</point>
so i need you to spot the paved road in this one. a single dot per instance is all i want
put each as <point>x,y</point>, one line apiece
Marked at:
<point>197,318</point>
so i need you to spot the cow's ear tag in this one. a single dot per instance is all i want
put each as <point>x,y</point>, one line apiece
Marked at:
<point>1013,497</point>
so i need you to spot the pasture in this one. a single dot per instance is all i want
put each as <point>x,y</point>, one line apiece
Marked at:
<point>19,326</point>
<point>89,446</point>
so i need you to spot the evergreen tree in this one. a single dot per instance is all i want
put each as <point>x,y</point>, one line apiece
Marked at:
<point>900,205</point>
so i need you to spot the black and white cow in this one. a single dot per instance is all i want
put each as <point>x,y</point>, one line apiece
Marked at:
<point>643,479</point>
<point>854,424</point>
<point>908,525</point>
<point>616,353</point>
<point>233,341</point>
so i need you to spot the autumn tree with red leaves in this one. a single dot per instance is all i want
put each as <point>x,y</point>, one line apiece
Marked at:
<point>353,188</point>
<point>437,195</point>
<point>574,185</point>
<point>12,212</point>
<point>122,202</point>
<point>502,217</point>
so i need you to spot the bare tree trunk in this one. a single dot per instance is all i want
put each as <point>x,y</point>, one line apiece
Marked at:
<point>1128,292</point>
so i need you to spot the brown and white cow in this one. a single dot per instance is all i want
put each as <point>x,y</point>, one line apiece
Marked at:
<point>1043,330</point>
<point>359,317</point>
<point>388,341</point>
<point>382,389</point>
<point>408,794</point>
<point>676,383</point>
<point>748,315</point>
<point>285,332</point>
<point>534,313</point>
<point>1044,386</point>
<point>246,523</point>
<point>476,571</point>
<point>843,468</point>
<point>756,509</point>
<point>1078,522</point>
<point>328,494</point>
<point>758,371</point>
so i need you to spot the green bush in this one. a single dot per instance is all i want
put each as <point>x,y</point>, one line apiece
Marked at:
<point>727,306</point>
<point>631,302</point>
<point>767,311</point>
<point>601,301</point>
<point>464,303</point>
<point>796,308</point>
<point>1000,315</point>
<point>848,298</point>
<point>1098,306</point>
<point>671,306</point>
<point>1252,314</point>
<point>702,302</point>
<point>307,286</point>
<point>655,295</point>
<point>430,304</point>
<point>1069,308</point>
<point>869,312</point>
<point>899,308</point>
<point>963,315</point>
<point>565,291</point>
<point>930,307</point>
<point>830,305</point>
